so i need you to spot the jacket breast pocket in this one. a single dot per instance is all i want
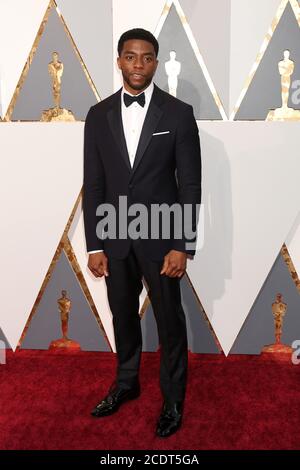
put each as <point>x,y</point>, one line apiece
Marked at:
<point>161,133</point>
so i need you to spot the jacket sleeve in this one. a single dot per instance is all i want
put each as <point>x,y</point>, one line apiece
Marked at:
<point>188,168</point>
<point>93,184</point>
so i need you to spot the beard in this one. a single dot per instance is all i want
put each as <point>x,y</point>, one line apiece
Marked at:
<point>137,86</point>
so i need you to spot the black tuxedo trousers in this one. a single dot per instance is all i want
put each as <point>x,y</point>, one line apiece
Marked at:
<point>124,285</point>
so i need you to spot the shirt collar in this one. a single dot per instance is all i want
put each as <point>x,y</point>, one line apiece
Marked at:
<point>148,92</point>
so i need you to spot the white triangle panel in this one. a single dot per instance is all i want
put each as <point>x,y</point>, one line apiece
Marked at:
<point>90,24</point>
<point>40,179</point>
<point>250,175</point>
<point>19,23</point>
<point>210,25</point>
<point>250,23</point>
<point>293,243</point>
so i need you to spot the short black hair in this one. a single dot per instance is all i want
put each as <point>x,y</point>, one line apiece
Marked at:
<point>138,33</point>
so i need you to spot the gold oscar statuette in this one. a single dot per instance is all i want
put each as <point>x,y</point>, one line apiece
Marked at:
<point>278,348</point>
<point>64,305</point>
<point>56,69</point>
<point>286,69</point>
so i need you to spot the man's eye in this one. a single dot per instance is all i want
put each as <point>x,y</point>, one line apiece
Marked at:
<point>129,57</point>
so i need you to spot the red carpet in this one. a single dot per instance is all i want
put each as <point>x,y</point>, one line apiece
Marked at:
<point>239,402</point>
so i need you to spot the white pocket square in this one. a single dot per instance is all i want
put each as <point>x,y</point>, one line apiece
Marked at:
<point>160,133</point>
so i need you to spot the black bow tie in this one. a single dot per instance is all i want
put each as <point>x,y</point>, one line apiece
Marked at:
<point>140,99</point>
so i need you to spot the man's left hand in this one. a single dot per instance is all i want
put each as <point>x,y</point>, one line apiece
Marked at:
<point>174,264</point>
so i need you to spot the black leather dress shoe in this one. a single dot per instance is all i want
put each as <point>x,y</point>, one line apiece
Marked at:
<point>170,419</point>
<point>114,399</point>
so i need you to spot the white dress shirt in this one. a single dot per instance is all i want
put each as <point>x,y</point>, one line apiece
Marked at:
<point>133,118</point>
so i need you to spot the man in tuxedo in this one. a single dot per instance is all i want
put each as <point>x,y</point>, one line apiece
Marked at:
<point>142,144</point>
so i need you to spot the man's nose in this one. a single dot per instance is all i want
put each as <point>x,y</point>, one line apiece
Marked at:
<point>138,64</point>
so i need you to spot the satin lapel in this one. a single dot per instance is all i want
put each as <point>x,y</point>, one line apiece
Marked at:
<point>114,117</point>
<point>153,115</point>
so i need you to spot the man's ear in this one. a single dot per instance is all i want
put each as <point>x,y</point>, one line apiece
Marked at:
<point>118,62</point>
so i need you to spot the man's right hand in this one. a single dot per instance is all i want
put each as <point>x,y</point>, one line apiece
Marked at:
<point>98,264</point>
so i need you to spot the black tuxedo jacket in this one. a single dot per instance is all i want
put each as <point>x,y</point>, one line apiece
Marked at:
<point>167,169</point>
